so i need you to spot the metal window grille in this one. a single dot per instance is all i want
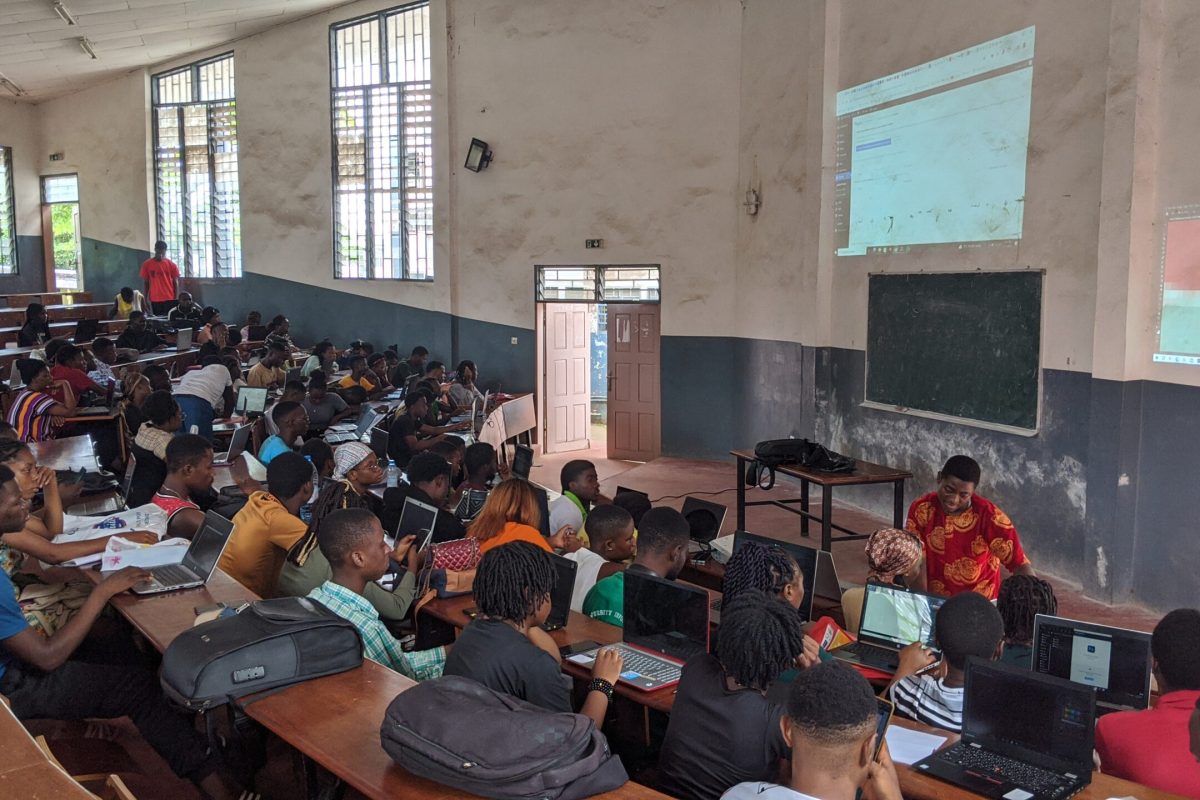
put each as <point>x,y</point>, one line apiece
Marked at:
<point>382,101</point>
<point>615,284</point>
<point>8,215</point>
<point>60,189</point>
<point>196,169</point>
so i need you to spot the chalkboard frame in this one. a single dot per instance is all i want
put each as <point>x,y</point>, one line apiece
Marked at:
<point>881,405</point>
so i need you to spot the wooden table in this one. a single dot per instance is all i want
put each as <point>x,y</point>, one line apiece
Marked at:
<point>46,298</point>
<point>71,454</point>
<point>335,721</point>
<point>25,770</point>
<point>64,312</point>
<point>865,473</point>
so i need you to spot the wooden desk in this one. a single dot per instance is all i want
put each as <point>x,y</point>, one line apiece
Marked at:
<point>865,473</point>
<point>25,771</point>
<point>71,454</point>
<point>162,617</point>
<point>64,312</point>
<point>46,298</point>
<point>335,721</point>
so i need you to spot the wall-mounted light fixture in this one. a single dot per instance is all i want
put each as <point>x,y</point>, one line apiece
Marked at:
<point>479,155</point>
<point>85,44</point>
<point>63,14</point>
<point>11,87</point>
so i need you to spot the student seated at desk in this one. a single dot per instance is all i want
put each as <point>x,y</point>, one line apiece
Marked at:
<point>505,649</point>
<point>305,568</point>
<point>321,454</point>
<point>610,545</point>
<point>352,542</point>
<point>481,468</point>
<point>210,316</point>
<point>360,377</point>
<point>218,340</point>
<point>160,379</point>
<point>408,434</point>
<point>135,388</point>
<point>1022,597</point>
<point>952,521</point>
<point>186,314</point>
<point>511,514</point>
<point>36,330</point>
<point>377,370</point>
<point>278,333</point>
<point>413,365</point>
<point>359,467</point>
<point>323,358</point>
<point>189,474</point>
<point>253,320</point>
<point>69,367</point>
<point>269,525</point>
<point>324,407</point>
<point>1151,747</point>
<point>137,336</point>
<point>428,482</point>
<point>34,413</point>
<point>201,392</point>
<point>292,422</point>
<point>454,450</point>
<point>463,392</point>
<point>662,551</point>
<point>894,557</point>
<point>269,372</point>
<point>163,420</point>
<point>966,625</point>
<point>293,392</point>
<point>580,491</point>
<point>127,301</point>
<point>829,731</point>
<point>40,680</point>
<point>104,355</point>
<point>723,730</point>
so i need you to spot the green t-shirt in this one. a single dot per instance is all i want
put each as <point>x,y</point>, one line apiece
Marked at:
<point>606,600</point>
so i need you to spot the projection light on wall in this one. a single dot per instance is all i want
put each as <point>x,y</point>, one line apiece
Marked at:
<point>478,156</point>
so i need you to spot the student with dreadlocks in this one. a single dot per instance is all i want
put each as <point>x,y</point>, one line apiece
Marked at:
<point>893,556</point>
<point>505,649</point>
<point>1022,597</point>
<point>723,730</point>
<point>305,567</point>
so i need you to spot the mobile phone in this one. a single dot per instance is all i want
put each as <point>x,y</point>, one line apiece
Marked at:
<point>205,609</point>
<point>883,716</point>
<point>566,651</point>
<point>424,538</point>
<point>471,612</point>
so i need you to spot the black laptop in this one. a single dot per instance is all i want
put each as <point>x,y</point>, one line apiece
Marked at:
<point>85,330</point>
<point>1115,662</point>
<point>1025,736</point>
<point>522,462</point>
<point>560,598</point>
<point>704,518</point>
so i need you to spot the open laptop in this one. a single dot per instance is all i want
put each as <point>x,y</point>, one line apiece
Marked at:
<point>522,462</point>
<point>237,446</point>
<point>666,623</point>
<point>1115,662</point>
<point>627,490</point>
<point>560,598</point>
<point>85,330</point>
<point>294,374</point>
<point>893,617</point>
<point>198,563</point>
<point>365,423</point>
<point>183,340</point>
<point>417,519</point>
<point>379,443</point>
<point>1025,736</point>
<point>543,501</point>
<point>805,557</point>
<point>704,518</point>
<point>251,401</point>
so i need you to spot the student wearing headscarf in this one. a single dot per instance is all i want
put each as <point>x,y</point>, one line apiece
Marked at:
<point>357,465</point>
<point>893,556</point>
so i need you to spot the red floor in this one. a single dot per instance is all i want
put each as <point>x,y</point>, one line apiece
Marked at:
<point>668,479</point>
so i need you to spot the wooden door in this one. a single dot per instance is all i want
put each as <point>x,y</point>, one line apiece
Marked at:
<point>634,367</point>
<point>568,377</point>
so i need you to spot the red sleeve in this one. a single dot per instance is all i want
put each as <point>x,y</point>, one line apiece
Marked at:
<point>1003,540</point>
<point>144,273</point>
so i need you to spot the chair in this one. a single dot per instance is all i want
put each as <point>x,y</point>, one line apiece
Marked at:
<point>149,473</point>
<point>130,469</point>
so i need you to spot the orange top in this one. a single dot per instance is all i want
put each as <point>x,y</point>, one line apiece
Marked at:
<point>515,532</point>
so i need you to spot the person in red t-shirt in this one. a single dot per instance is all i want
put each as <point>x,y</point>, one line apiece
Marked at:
<point>1152,747</point>
<point>70,367</point>
<point>161,277</point>
<point>966,537</point>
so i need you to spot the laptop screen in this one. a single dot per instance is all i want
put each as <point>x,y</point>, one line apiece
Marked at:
<point>704,518</point>
<point>367,421</point>
<point>415,517</point>
<point>522,462</point>
<point>898,615</point>
<point>1114,661</point>
<point>564,586</point>
<point>664,616</point>
<point>238,442</point>
<point>543,500</point>
<point>251,400</point>
<point>208,544</point>
<point>805,557</point>
<point>1051,725</point>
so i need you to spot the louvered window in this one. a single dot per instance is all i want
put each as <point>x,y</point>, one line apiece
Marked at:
<point>196,168</point>
<point>382,103</point>
<point>8,215</point>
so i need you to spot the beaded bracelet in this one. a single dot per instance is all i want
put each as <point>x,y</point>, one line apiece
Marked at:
<point>601,685</point>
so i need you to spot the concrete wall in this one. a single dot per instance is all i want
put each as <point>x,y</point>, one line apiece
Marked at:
<point>19,130</point>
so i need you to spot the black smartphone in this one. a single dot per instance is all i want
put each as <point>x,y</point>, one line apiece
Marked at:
<point>205,609</point>
<point>566,651</point>
<point>883,716</point>
<point>471,612</point>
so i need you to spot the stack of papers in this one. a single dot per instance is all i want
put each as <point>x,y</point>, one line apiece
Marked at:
<point>909,746</point>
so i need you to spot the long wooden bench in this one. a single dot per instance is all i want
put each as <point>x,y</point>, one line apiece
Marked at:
<point>108,327</point>
<point>45,298</point>
<point>71,312</point>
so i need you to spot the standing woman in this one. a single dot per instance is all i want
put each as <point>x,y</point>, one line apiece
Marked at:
<point>34,414</point>
<point>893,556</point>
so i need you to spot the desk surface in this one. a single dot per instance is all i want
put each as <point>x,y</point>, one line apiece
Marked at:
<point>335,721</point>
<point>864,472</point>
<point>25,771</point>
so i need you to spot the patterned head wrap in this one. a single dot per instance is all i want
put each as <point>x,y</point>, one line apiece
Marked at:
<point>347,457</point>
<point>892,552</point>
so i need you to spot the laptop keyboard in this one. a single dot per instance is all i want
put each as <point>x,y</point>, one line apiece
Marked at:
<point>172,575</point>
<point>871,656</point>
<point>648,666</point>
<point>997,767</point>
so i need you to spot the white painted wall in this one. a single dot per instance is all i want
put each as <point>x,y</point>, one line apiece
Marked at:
<point>18,130</point>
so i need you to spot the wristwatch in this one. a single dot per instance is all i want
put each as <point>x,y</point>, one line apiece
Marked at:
<point>601,685</point>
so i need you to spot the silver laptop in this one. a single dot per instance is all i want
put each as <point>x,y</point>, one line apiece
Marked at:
<point>893,617</point>
<point>826,583</point>
<point>365,423</point>
<point>198,564</point>
<point>251,401</point>
<point>237,446</point>
<point>183,340</point>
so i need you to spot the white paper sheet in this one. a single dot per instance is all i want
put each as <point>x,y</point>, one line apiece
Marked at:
<point>909,746</point>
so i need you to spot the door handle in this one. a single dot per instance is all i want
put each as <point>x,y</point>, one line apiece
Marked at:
<point>610,380</point>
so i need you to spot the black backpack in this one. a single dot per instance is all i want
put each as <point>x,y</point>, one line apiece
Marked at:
<point>462,734</point>
<point>270,644</point>
<point>773,453</point>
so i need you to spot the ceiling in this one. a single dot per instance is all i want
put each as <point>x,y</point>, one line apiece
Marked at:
<point>41,53</point>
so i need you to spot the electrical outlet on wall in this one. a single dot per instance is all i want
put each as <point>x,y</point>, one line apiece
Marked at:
<point>514,340</point>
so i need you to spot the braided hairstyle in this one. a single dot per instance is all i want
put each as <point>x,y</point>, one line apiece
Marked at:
<point>761,636</point>
<point>512,580</point>
<point>334,495</point>
<point>1022,597</point>
<point>760,567</point>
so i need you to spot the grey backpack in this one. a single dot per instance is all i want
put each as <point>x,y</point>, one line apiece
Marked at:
<point>462,734</point>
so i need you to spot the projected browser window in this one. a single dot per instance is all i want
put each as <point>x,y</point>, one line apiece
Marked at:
<point>1179,311</point>
<point>935,155</point>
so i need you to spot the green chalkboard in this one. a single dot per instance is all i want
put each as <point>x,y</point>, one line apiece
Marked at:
<point>963,344</point>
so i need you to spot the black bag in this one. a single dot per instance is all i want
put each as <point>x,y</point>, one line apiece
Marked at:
<point>773,453</point>
<point>460,733</point>
<point>271,643</point>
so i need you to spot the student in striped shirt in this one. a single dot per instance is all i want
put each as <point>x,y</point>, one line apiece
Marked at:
<point>34,414</point>
<point>967,625</point>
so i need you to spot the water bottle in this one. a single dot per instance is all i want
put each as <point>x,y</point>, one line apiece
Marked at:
<point>393,474</point>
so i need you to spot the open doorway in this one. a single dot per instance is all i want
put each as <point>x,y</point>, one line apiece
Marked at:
<point>60,229</point>
<point>598,360</point>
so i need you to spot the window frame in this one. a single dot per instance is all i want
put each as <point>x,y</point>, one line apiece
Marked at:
<point>599,291</point>
<point>380,19</point>
<point>178,107</point>
<point>9,191</point>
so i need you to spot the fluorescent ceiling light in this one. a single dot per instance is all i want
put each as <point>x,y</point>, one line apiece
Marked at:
<point>85,44</point>
<point>62,12</point>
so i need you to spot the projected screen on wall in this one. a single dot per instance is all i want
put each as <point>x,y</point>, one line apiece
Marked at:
<point>1179,310</point>
<point>935,155</point>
